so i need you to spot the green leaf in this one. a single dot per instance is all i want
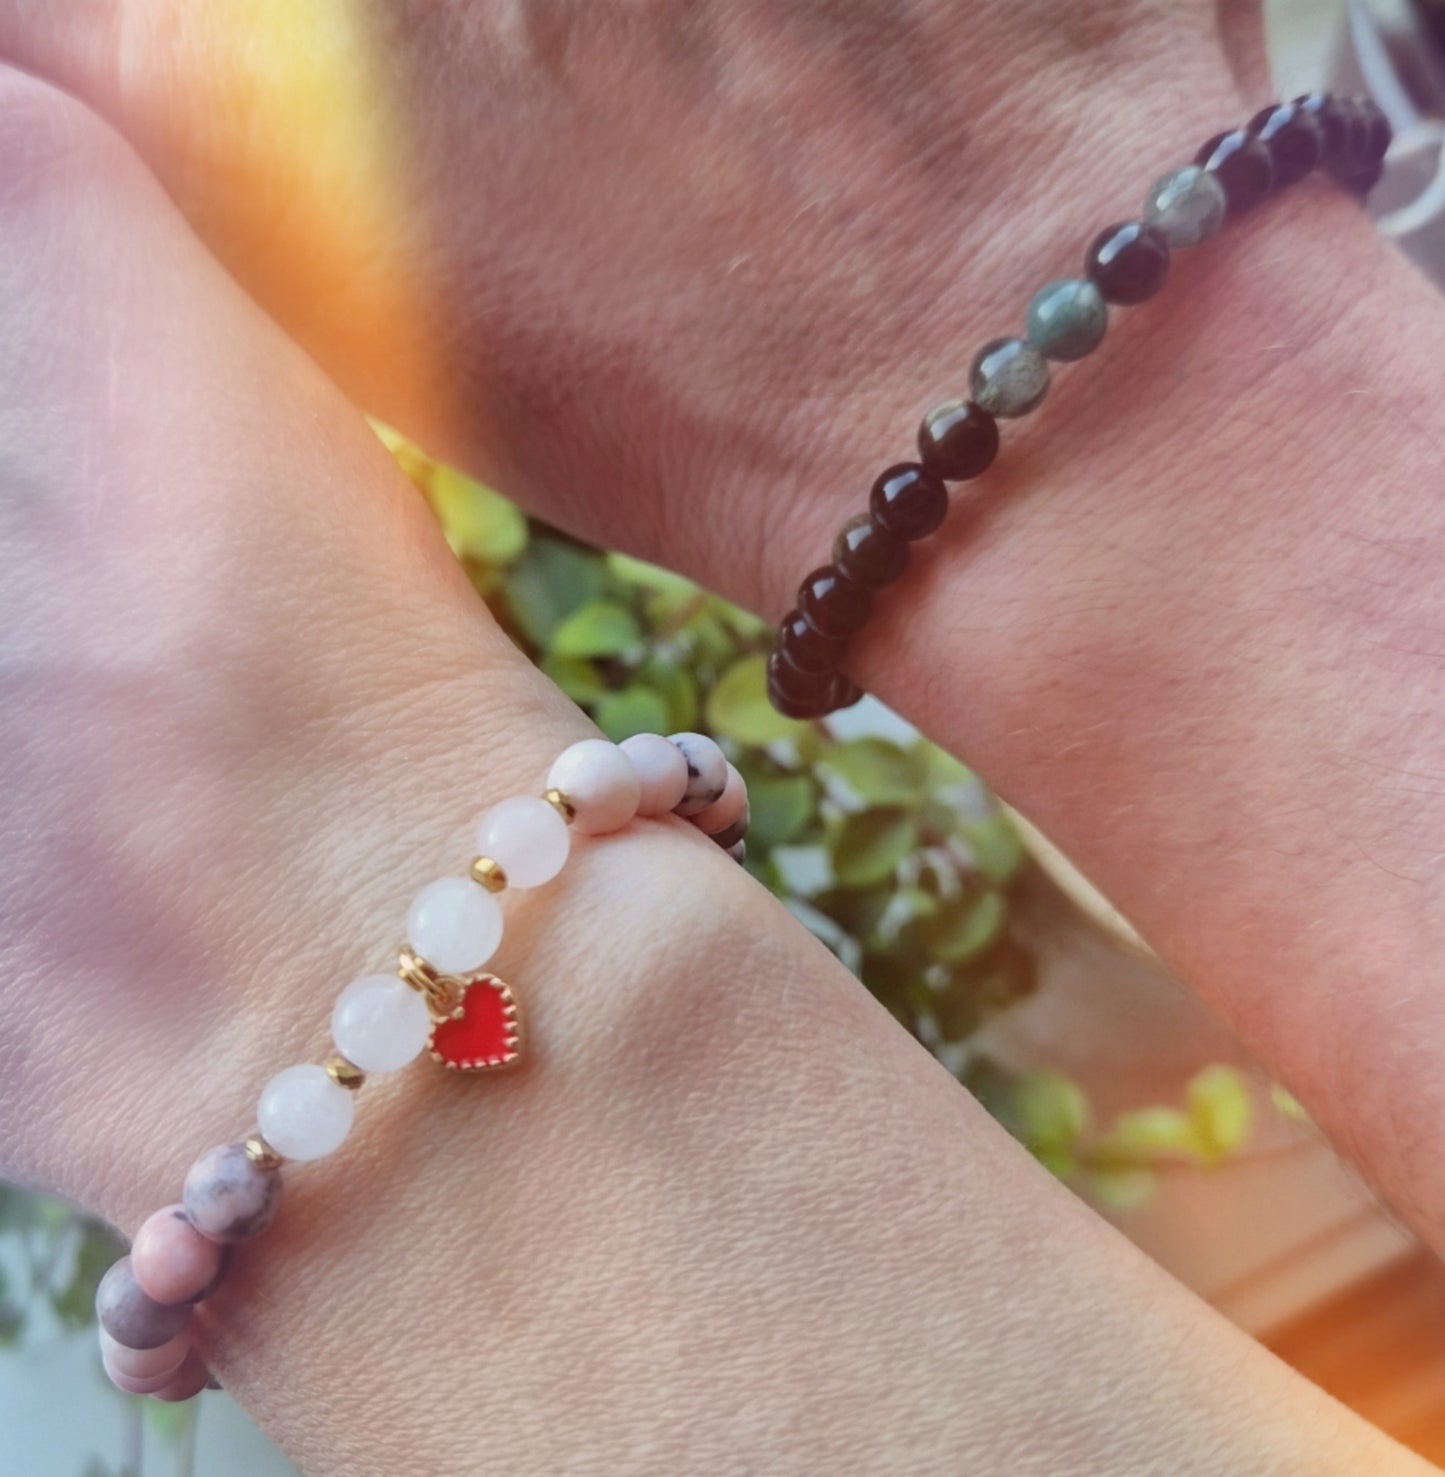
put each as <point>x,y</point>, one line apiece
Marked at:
<point>413,461</point>
<point>994,846</point>
<point>779,808</point>
<point>738,706</point>
<point>679,687</point>
<point>868,847</point>
<point>644,576</point>
<point>578,679</point>
<point>874,772</point>
<point>1051,1112</point>
<point>633,710</point>
<point>1222,1111</point>
<point>171,1421</point>
<point>598,629</point>
<point>1123,1189</point>
<point>965,927</point>
<point>550,580</point>
<point>1145,1135</point>
<point>74,1304</point>
<point>479,523</point>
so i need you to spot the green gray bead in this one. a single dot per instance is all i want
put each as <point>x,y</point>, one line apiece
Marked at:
<point>1067,319</point>
<point>1009,377</point>
<point>1186,207</point>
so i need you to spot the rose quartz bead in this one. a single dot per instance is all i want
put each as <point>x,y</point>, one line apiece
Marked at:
<point>707,772</point>
<point>526,838</point>
<point>188,1383</point>
<point>303,1114</point>
<point>661,769</point>
<point>131,1317</point>
<point>172,1261</point>
<point>600,781</point>
<point>380,1023</point>
<point>727,808</point>
<point>227,1197</point>
<point>455,925</point>
<point>145,1364</point>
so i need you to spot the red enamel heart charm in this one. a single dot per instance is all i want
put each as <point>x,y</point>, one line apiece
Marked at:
<point>483,1032</point>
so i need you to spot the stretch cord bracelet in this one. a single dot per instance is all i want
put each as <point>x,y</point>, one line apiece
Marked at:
<point>1124,265</point>
<point>439,999</point>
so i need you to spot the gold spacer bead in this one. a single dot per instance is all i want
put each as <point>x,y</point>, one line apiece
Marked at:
<point>561,804</point>
<point>261,1154</point>
<point>343,1073</point>
<point>489,874</point>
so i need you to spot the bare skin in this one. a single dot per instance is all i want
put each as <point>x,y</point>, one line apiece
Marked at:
<point>730,1219</point>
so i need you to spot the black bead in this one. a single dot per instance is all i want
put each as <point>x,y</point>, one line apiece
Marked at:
<point>1128,262</point>
<point>798,694</point>
<point>1293,137</point>
<point>806,647</point>
<point>1242,166</point>
<point>832,604</point>
<point>868,554</point>
<point>1334,134</point>
<point>958,440</point>
<point>909,500</point>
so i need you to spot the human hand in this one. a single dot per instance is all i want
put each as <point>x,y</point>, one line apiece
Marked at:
<point>732,1219</point>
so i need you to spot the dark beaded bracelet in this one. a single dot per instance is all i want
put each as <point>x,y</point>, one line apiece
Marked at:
<point>1124,265</point>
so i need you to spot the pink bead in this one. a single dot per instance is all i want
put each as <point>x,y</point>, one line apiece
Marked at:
<point>171,1260</point>
<point>140,1385</point>
<point>188,1383</point>
<point>144,1364</point>
<point>662,770</point>
<point>726,809</point>
<point>600,781</point>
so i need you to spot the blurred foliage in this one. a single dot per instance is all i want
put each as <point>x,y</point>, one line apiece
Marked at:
<point>887,848</point>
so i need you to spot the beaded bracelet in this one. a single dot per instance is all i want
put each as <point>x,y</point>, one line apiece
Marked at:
<point>439,999</point>
<point>1125,264</point>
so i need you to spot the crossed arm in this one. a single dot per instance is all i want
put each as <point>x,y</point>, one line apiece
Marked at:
<point>681,278</point>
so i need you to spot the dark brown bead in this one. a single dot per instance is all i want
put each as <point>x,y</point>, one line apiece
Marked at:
<point>1375,134</point>
<point>1358,179</point>
<point>1242,166</point>
<point>832,604</point>
<point>909,500</point>
<point>845,692</point>
<point>868,554</point>
<point>806,647</point>
<point>958,440</point>
<point>1334,134</point>
<point>798,694</point>
<point>1128,262</point>
<point>1293,137</point>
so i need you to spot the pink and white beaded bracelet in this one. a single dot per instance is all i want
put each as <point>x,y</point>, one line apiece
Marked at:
<point>439,999</point>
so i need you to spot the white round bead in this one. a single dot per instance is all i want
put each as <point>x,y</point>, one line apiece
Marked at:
<point>380,1023</point>
<point>727,808</point>
<point>662,770</point>
<point>454,924</point>
<point>707,771</point>
<point>527,838</point>
<point>599,780</point>
<point>303,1114</point>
